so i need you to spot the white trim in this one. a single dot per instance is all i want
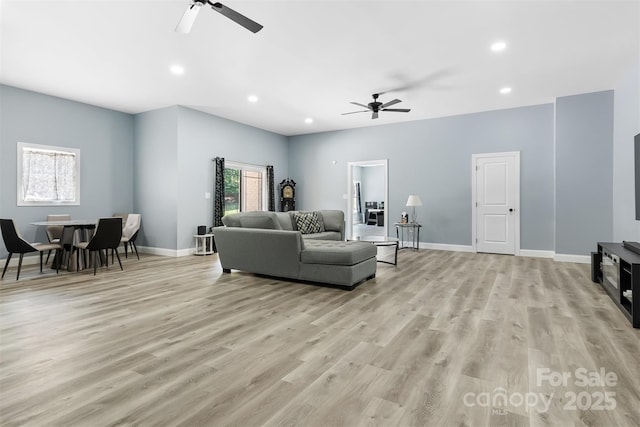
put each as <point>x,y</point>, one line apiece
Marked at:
<point>445,247</point>
<point>33,258</point>
<point>26,260</point>
<point>67,150</point>
<point>350,165</point>
<point>474,159</point>
<point>166,252</point>
<point>581,259</point>
<point>536,253</point>
<point>245,166</point>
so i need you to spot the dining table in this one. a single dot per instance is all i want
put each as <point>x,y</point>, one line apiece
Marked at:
<point>76,230</point>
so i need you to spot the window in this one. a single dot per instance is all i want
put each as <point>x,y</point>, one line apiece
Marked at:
<point>245,187</point>
<point>47,175</point>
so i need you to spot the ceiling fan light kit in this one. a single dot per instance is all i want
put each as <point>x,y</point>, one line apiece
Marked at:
<point>376,107</point>
<point>189,16</point>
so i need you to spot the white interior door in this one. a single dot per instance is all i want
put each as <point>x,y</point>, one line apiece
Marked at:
<point>497,203</point>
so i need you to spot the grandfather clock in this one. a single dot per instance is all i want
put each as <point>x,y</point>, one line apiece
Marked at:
<point>287,195</point>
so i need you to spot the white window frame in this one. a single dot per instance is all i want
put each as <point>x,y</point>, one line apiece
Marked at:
<point>253,168</point>
<point>19,193</point>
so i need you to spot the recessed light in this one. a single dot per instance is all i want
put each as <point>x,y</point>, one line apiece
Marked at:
<point>252,98</point>
<point>177,70</point>
<point>498,46</point>
<point>308,120</point>
<point>505,90</point>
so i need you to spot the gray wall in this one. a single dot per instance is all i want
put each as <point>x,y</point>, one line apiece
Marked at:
<point>626,124</point>
<point>584,172</point>
<point>432,158</point>
<point>159,164</point>
<point>104,137</point>
<point>174,169</point>
<point>156,177</point>
<point>373,184</point>
<point>202,137</point>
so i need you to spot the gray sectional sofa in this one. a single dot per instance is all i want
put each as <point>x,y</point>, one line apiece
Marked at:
<point>269,243</point>
<point>333,221</point>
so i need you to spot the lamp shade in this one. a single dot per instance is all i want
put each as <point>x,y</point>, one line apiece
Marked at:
<point>414,200</point>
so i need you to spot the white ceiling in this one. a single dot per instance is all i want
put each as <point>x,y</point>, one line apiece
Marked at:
<point>313,57</point>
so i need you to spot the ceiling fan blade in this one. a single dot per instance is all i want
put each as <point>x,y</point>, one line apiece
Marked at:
<point>427,80</point>
<point>374,115</point>
<point>390,103</point>
<point>398,110</point>
<point>353,112</point>
<point>360,105</point>
<point>236,17</point>
<point>187,20</point>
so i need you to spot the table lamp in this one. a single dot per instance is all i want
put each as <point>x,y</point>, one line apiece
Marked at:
<point>414,201</point>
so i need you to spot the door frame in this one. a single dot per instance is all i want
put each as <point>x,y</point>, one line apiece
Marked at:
<point>474,235</point>
<point>349,220</point>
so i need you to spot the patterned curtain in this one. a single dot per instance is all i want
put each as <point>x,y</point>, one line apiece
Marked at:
<point>218,191</point>
<point>271,189</point>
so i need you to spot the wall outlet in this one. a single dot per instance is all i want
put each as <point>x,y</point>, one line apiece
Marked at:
<point>207,195</point>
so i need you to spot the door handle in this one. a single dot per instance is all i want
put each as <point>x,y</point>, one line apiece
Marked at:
<point>510,209</point>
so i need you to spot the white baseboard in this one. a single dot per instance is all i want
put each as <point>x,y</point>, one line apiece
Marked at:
<point>166,252</point>
<point>34,258</point>
<point>445,247</point>
<point>536,253</point>
<point>27,260</point>
<point>581,259</point>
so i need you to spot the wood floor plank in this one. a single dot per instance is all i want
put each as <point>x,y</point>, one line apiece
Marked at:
<point>174,341</point>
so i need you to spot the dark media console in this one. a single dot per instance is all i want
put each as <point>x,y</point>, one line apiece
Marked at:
<point>616,266</point>
<point>632,246</point>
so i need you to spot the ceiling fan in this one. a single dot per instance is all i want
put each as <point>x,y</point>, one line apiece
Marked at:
<point>187,20</point>
<point>376,106</point>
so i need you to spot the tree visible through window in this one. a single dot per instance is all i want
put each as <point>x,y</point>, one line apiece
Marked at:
<point>48,175</point>
<point>244,188</point>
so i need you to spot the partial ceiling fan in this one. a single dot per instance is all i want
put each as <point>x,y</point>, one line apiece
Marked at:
<point>376,106</point>
<point>185,24</point>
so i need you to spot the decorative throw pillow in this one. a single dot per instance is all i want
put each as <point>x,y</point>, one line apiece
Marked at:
<point>309,222</point>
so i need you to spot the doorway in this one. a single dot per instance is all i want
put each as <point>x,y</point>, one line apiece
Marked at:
<point>367,194</point>
<point>496,203</point>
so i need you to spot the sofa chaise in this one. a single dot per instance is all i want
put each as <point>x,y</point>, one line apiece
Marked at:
<point>258,243</point>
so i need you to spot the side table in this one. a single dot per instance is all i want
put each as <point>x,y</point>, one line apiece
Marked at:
<point>413,228</point>
<point>204,244</point>
<point>381,241</point>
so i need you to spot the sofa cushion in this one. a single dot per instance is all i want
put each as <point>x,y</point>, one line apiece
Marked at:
<point>333,219</point>
<point>325,235</point>
<point>253,219</point>
<point>336,252</point>
<point>309,222</point>
<point>268,222</point>
<point>285,220</point>
<point>231,220</point>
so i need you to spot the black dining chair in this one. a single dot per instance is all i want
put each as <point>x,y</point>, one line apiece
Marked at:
<point>107,236</point>
<point>17,245</point>
<point>54,232</point>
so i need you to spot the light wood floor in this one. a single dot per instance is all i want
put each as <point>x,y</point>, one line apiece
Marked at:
<point>173,341</point>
